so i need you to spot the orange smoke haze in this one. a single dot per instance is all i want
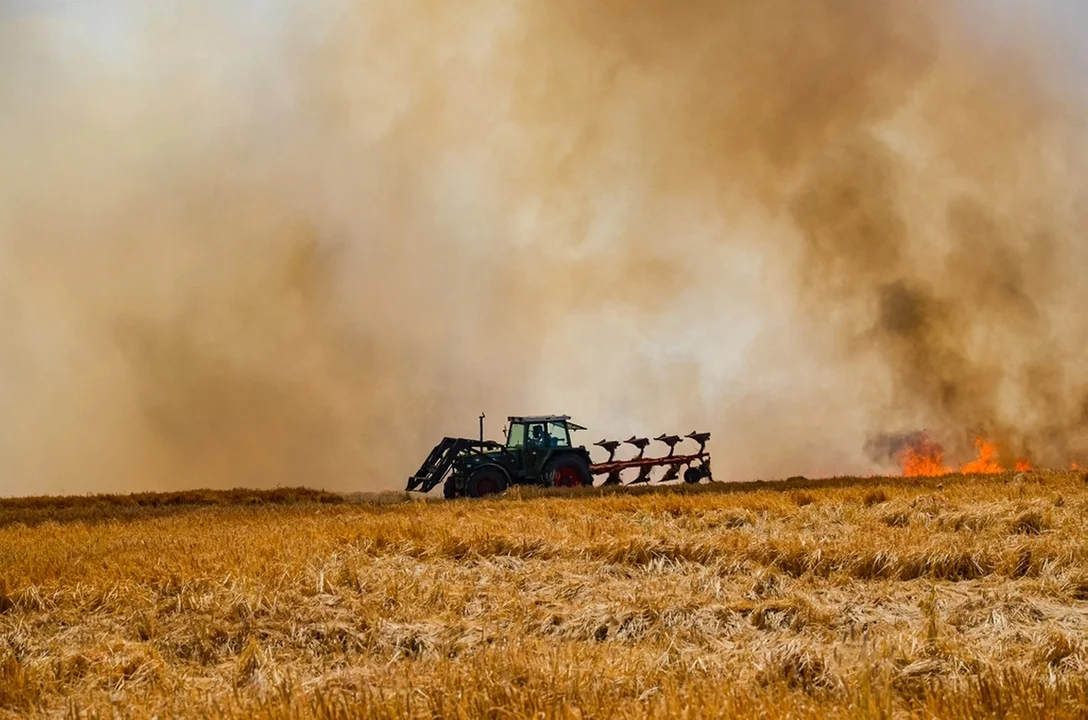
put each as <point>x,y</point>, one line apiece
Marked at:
<point>271,243</point>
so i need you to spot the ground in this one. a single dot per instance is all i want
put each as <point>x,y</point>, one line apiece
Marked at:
<point>946,597</point>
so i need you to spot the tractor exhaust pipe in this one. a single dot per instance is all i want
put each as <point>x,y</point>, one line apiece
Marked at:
<point>482,417</point>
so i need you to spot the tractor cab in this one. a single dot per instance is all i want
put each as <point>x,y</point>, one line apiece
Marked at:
<point>540,433</point>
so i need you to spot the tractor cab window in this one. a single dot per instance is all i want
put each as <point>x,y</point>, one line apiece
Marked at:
<point>538,438</point>
<point>538,435</point>
<point>560,436</point>
<point>516,437</point>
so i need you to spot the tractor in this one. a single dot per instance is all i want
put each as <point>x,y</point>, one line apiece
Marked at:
<point>539,451</point>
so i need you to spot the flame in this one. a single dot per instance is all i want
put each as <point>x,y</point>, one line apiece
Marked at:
<point>923,459</point>
<point>985,464</point>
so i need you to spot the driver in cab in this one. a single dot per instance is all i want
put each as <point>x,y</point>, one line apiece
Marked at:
<point>540,439</point>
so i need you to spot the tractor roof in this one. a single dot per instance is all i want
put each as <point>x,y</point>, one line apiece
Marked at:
<point>565,419</point>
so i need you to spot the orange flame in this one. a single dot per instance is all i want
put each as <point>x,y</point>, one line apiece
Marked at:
<point>924,459</point>
<point>985,464</point>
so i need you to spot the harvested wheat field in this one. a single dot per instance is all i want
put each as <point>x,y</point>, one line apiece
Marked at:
<point>947,597</point>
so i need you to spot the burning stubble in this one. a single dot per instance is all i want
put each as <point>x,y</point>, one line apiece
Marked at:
<point>296,247</point>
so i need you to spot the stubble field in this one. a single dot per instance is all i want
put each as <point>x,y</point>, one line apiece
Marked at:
<point>953,597</point>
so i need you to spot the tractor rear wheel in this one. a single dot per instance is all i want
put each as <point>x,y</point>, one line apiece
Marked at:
<point>486,481</point>
<point>571,471</point>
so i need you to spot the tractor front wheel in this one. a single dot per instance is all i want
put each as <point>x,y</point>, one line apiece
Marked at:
<point>568,472</point>
<point>486,481</point>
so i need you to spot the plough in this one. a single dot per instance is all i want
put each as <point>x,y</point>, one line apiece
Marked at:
<point>539,451</point>
<point>698,464</point>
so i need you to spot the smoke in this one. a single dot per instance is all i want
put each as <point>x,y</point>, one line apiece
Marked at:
<point>276,244</point>
<point>907,174</point>
<point>237,254</point>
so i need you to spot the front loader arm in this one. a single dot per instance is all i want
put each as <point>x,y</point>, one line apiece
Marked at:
<point>443,457</point>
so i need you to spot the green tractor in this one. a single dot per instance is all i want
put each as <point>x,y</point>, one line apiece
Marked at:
<point>538,451</point>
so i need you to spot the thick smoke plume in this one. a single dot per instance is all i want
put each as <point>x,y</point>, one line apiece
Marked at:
<point>297,243</point>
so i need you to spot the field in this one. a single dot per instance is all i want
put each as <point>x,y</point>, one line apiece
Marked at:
<point>948,597</point>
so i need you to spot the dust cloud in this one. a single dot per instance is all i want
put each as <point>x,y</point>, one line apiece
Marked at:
<point>297,243</point>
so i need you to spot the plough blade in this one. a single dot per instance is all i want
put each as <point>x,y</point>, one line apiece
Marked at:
<point>640,443</point>
<point>671,440</point>
<point>701,438</point>
<point>610,447</point>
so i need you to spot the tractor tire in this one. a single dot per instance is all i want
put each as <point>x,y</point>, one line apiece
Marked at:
<point>449,490</point>
<point>693,475</point>
<point>570,471</point>
<point>489,480</point>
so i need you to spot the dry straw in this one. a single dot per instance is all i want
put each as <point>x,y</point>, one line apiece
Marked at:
<point>856,597</point>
